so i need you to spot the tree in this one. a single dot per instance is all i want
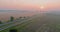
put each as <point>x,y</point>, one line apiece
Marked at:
<point>24,17</point>
<point>20,17</point>
<point>0,22</point>
<point>11,18</point>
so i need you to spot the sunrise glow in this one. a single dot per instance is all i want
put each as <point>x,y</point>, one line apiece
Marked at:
<point>42,7</point>
<point>29,4</point>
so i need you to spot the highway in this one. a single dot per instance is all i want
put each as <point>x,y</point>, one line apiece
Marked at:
<point>39,23</point>
<point>14,23</point>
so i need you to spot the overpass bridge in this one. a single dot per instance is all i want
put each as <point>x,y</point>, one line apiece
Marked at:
<point>37,23</point>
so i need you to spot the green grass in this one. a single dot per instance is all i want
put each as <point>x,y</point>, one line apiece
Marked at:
<point>51,21</point>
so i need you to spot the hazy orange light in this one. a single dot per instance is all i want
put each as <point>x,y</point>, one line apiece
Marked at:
<point>42,7</point>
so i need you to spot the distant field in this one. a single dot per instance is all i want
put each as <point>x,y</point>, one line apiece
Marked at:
<point>4,15</point>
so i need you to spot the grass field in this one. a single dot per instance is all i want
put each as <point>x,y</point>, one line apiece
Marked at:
<point>40,23</point>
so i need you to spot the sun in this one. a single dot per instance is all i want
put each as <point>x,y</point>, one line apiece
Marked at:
<point>42,7</point>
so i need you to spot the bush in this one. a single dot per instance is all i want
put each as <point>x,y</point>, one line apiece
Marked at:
<point>11,18</point>
<point>0,22</point>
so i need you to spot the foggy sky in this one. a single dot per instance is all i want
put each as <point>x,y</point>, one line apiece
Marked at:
<point>29,4</point>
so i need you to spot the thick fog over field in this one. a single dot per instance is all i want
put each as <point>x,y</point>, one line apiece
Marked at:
<point>5,14</point>
<point>56,12</point>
